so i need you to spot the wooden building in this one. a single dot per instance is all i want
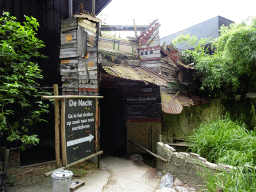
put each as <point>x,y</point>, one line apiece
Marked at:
<point>49,14</point>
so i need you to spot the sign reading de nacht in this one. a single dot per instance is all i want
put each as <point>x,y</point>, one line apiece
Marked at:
<point>79,128</point>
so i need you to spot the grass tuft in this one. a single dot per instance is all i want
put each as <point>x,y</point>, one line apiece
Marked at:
<point>228,142</point>
<point>224,141</point>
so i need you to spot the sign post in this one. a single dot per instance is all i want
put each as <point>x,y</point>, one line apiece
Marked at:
<point>79,124</point>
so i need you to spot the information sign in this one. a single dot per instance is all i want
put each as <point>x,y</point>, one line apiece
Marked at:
<point>79,128</point>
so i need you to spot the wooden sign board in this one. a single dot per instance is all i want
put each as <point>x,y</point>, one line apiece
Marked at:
<point>79,128</point>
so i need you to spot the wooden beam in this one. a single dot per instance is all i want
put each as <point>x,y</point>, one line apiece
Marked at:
<point>72,97</point>
<point>135,29</point>
<point>155,155</point>
<point>51,172</point>
<point>123,27</point>
<point>86,158</point>
<point>57,125</point>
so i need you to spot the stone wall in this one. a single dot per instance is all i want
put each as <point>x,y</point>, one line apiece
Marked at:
<point>186,166</point>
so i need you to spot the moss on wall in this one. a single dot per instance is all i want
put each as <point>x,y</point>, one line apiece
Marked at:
<point>181,125</point>
<point>243,109</point>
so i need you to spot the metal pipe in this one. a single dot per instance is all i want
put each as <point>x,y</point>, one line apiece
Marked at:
<point>70,8</point>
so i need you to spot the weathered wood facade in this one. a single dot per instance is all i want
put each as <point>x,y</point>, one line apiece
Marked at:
<point>79,55</point>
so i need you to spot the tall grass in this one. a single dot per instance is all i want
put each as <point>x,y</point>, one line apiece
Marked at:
<point>227,142</point>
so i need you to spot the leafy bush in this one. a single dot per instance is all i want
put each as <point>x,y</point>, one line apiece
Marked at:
<point>18,81</point>
<point>231,69</point>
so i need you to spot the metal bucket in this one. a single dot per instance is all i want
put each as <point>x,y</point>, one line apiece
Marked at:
<point>61,181</point>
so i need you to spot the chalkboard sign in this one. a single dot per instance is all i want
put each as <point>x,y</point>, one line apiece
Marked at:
<point>79,128</point>
<point>142,103</point>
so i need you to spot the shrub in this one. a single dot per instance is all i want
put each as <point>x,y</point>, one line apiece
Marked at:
<point>18,81</point>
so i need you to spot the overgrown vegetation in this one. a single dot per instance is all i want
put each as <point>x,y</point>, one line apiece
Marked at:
<point>225,141</point>
<point>230,70</point>
<point>228,142</point>
<point>18,81</point>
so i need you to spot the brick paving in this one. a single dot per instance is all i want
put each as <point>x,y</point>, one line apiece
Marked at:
<point>29,175</point>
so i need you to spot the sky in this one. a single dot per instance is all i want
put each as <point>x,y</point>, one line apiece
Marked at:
<point>175,16</point>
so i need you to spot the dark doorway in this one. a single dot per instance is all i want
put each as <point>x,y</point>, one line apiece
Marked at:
<point>113,136</point>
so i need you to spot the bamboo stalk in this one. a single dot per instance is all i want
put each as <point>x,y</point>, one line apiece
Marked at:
<point>63,136</point>
<point>57,126</point>
<point>155,155</point>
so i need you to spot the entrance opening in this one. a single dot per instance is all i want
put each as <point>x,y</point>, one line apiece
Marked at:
<point>113,135</point>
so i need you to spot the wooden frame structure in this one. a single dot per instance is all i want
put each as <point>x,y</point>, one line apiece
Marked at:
<point>60,120</point>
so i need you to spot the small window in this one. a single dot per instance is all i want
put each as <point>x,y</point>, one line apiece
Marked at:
<point>146,53</point>
<point>141,53</point>
<point>151,52</point>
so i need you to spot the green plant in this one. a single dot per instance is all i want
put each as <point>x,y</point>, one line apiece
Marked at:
<point>230,70</point>
<point>242,179</point>
<point>18,81</point>
<point>228,142</point>
<point>224,141</point>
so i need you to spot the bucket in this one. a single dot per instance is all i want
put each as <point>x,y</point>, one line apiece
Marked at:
<point>61,181</point>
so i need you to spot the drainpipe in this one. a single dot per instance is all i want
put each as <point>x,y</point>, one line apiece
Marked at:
<point>70,8</point>
<point>93,7</point>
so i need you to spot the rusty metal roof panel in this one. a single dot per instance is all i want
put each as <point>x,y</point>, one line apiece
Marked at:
<point>185,100</point>
<point>170,104</point>
<point>137,73</point>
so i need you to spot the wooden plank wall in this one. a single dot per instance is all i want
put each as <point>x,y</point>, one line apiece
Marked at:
<point>112,43</point>
<point>79,57</point>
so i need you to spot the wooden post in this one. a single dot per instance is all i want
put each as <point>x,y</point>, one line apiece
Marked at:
<point>96,124</point>
<point>57,126</point>
<point>63,137</point>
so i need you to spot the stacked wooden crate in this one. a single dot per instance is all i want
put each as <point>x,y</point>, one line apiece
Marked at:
<point>79,55</point>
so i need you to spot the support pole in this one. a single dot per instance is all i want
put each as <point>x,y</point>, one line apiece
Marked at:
<point>96,125</point>
<point>155,155</point>
<point>93,7</point>
<point>57,126</point>
<point>63,137</point>
<point>70,8</point>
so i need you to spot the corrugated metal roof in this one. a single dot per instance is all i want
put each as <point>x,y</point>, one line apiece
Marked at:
<point>137,73</point>
<point>170,104</point>
<point>174,104</point>
<point>185,100</point>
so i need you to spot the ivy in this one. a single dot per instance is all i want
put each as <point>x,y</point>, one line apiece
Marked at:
<point>18,80</point>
